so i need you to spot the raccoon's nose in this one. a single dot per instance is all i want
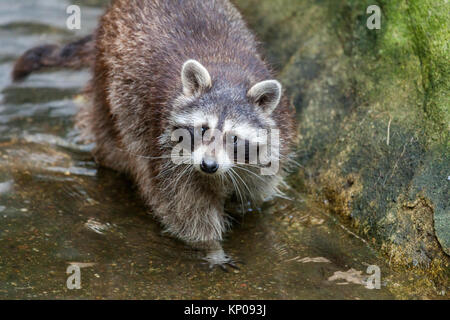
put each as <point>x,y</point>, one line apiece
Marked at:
<point>209,166</point>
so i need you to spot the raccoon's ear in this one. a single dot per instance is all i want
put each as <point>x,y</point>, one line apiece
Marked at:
<point>195,78</point>
<point>266,94</point>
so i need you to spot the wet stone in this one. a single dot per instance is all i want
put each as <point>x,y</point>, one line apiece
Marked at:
<point>60,212</point>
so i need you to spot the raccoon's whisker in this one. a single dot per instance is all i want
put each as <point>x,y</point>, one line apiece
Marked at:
<point>251,193</point>
<point>189,175</point>
<point>170,166</point>
<point>165,170</point>
<point>237,175</point>
<point>174,182</point>
<point>167,156</point>
<point>281,194</point>
<point>250,165</point>
<point>223,178</point>
<point>236,187</point>
<point>287,158</point>
<point>253,173</point>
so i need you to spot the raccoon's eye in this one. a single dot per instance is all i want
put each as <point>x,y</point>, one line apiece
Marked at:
<point>204,129</point>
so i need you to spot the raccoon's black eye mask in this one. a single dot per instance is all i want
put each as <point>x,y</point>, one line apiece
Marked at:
<point>192,130</point>
<point>237,141</point>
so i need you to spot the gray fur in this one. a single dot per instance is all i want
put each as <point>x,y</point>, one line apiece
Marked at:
<point>161,64</point>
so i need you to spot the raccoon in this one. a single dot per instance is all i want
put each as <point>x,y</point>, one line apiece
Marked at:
<point>191,66</point>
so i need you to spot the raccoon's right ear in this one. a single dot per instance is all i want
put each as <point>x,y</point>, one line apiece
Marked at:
<point>266,94</point>
<point>195,78</point>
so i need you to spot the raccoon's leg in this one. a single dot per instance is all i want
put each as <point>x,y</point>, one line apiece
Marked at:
<point>202,229</point>
<point>215,255</point>
<point>96,125</point>
<point>195,218</point>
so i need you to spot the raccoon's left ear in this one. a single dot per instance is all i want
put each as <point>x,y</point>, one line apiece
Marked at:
<point>266,94</point>
<point>195,78</point>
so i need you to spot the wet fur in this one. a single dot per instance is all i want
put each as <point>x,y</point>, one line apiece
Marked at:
<point>140,48</point>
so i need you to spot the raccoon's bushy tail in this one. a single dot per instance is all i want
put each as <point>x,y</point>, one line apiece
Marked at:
<point>75,55</point>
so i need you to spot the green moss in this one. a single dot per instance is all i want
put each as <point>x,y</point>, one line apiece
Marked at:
<point>373,108</point>
<point>406,78</point>
<point>429,23</point>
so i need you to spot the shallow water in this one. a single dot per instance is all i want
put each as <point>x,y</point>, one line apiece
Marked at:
<point>58,208</point>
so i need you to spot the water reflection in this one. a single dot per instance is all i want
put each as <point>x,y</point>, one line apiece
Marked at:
<point>58,208</point>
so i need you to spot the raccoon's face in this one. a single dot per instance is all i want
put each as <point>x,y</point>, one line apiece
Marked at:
<point>219,127</point>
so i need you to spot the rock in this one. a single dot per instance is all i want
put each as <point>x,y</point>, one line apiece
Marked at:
<point>373,108</point>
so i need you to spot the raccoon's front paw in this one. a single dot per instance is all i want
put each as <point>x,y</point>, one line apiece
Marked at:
<point>218,258</point>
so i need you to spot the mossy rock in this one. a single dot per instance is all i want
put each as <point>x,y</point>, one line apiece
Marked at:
<point>374,113</point>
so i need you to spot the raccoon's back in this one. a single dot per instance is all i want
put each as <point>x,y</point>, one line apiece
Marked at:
<point>145,43</point>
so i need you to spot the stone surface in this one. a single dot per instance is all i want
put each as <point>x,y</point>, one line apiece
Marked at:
<point>59,209</point>
<point>374,115</point>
